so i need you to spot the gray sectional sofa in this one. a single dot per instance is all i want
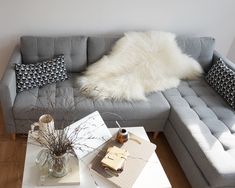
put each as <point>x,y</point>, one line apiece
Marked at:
<point>199,125</point>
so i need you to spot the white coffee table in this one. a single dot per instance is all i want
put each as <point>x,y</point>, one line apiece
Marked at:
<point>152,175</point>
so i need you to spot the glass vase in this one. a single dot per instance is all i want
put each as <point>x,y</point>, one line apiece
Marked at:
<point>58,165</point>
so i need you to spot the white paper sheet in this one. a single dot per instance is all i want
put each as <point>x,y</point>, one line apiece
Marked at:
<point>89,133</point>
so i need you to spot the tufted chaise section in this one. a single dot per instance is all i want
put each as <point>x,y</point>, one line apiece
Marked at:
<point>206,126</point>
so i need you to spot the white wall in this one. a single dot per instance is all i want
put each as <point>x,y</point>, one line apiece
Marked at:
<point>63,17</point>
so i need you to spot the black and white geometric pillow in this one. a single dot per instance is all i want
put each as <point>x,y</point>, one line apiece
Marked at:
<point>29,76</point>
<point>222,79</point>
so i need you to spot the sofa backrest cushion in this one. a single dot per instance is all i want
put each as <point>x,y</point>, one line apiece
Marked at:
<point>74,48</point>
<point>200,48</point>
<point>99,46</point>
<point>217,56</point>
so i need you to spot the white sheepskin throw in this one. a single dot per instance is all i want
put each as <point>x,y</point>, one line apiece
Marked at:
<point>139,63</point>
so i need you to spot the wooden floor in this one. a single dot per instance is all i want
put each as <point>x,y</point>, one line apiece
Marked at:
<point>12,154</point>
<point>169,162</point>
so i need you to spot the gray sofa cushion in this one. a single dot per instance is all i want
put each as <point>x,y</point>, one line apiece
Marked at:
<point>200,48</point>
<point>99,46</point>
<point>34,49</point>
<point>64,101</point>
<point>229,63</point>
<point>205,124</point>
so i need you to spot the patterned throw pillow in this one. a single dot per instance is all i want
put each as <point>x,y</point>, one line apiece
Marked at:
<point>29,76</point>
<point>222,79</point>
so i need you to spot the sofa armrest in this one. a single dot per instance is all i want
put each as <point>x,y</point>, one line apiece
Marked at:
<point>8,90</point>
<point>217,55</point>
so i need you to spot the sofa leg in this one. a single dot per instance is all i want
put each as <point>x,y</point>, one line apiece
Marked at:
<point>13,136</point>
<point>155,134</point>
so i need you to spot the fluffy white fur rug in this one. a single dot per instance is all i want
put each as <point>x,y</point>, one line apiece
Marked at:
<point>139,63</point>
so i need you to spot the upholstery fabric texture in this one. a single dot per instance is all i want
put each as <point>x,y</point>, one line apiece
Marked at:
<point>99,46</point>
<point>222,79</point>
<point>74,48</point>
<point>8,90</point>
<point>200,48</point>
<point>217,56</point>
<point>64,101</point>
<point>39,74</point>
<point>187,163</point>
<point>205,124</point>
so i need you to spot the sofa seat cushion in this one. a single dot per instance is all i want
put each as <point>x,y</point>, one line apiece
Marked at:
<point>206,125</point>
<point>65,102</point>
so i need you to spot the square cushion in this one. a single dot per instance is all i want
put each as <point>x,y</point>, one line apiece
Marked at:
<point>29,76</point>
<point>222,79</point>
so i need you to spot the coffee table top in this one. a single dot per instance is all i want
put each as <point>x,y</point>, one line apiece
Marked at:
<point>152,175</point>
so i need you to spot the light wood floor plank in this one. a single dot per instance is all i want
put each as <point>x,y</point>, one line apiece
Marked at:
<point>8,151</point>
<point>170,164</point>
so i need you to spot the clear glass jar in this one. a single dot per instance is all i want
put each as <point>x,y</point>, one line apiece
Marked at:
<point>58,165</point>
